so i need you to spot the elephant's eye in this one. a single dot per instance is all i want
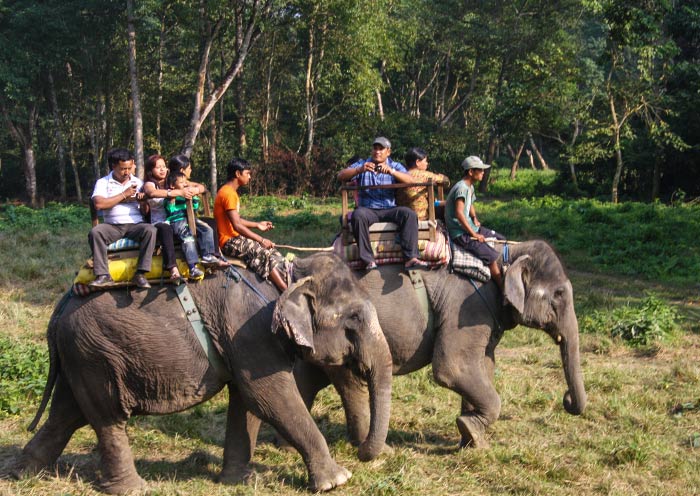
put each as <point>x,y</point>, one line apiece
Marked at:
<point>559,293</point>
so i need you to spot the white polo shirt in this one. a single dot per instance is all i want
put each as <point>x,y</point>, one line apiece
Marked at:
<point>121,213</point>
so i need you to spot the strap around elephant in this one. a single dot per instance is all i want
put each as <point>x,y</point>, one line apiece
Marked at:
<point>188,305</point>
<point>483,298</point>
<point>422,294</point>
<point>233,273</point>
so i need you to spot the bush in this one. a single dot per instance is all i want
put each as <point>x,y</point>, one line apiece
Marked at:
<point>23,370</point>
<point>652,321</point>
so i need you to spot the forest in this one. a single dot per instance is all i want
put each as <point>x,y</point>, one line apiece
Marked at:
<point>603,91</point>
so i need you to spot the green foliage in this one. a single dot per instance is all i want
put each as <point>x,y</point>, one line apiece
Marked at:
<point>627,238</point>
<point>651,321</point>
<point>54,217</point>
<point>23,370</point>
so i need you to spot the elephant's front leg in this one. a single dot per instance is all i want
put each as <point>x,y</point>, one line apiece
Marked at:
<point>118,471</point>
<point>355,397</point>
<point>275,400</point>
<point>467,369</point>
<point>241,438</point>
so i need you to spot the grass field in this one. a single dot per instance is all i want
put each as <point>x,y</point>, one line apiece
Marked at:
<point>640,433</point>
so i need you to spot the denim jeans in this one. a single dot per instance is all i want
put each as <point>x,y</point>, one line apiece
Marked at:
<point>205,240</point>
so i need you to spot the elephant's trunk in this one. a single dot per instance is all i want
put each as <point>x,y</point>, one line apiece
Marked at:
<point>379,375</point>
<point>575,397</point>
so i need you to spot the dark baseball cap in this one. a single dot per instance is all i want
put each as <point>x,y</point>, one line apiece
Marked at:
<point>381,140</point>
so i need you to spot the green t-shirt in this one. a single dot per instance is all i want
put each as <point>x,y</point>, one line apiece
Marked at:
<point>176,209</point>
<point>465,192</point>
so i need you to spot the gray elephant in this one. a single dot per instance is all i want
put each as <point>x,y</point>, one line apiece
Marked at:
<point>467,325</point>
<point>117,354</point>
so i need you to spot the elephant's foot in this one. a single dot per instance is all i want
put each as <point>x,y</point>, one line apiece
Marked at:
<point>236,474</point>
<point>27,466</point>
<point>473,433</point>
<point>334,476</point>
<point>129,484</point>
<point>363,452</point>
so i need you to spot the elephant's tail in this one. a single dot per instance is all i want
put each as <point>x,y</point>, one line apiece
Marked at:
<point>53,360</point>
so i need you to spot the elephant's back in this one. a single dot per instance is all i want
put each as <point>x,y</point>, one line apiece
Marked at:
<point>401,314</point>
<point>141,343</point>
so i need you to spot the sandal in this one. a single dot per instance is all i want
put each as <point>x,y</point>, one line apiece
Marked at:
<point>175,276</point>
<point>415,263</point>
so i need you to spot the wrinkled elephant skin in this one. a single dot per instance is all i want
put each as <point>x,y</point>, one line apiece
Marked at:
<point>122,353</point>
<point>467,328</point>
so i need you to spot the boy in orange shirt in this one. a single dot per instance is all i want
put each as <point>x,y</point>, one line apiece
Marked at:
<point>236,239</point>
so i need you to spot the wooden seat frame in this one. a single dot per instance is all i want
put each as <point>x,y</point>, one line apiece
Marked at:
<point>345,187</point>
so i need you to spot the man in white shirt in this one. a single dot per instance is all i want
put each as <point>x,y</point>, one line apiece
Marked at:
<point>118,195</point>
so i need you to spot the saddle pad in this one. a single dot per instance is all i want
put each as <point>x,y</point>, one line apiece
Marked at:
<point>123,244</point>
<point>465,263</point>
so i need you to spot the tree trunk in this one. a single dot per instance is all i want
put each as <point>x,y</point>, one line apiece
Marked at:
<point>516,160</point>
<point>135,96</point>
<point>540,158</point>
<point>74,164</point>
<point>380,105</point>
<point>618,150</point>
<point>159,105</point>
<point>201,107</point>
<point>25,138</point>
<point>531,158</point>
<point>309,93</point>
<point>240,94</point>
<point>265,125</point>
<point>212,147</point>
<point>656,178</point>
<point>60,148</point>
<point>484,184</point>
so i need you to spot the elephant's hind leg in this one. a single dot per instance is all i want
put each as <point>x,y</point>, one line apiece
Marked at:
<point>65,417</point>
<point>241,438</point>
<point>119,474</point>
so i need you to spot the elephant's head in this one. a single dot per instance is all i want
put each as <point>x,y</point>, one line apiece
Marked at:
<point>540,293</point>
<point>333,322</point>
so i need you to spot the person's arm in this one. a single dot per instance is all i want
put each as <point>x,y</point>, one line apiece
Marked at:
<point>472,214</point>
<point>152,192</point>
<point>126,196</point>
<point>349,173</point>
<point>462,219</point>
<point>243,227</point>
<point>402,177</point>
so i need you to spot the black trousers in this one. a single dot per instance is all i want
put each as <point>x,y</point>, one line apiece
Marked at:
<point>404,217</point>
<point>167,242</point>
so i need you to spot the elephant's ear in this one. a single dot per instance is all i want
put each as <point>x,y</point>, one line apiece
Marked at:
<point>514,284</point>
<point>293,313</point>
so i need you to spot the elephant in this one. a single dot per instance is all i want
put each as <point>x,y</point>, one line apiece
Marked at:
<point>467,326</point>
<point>115,354</point>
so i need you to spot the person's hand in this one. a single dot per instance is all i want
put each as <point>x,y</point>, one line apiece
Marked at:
<point>476,222</point>
<point>141,197</point>
<point>480,238</point>
<point>265,225</point>
<point>380,169</point>
<point>368,167</point>
<point>130,192</point>
<point>266,243</point>
<point>189,192</point>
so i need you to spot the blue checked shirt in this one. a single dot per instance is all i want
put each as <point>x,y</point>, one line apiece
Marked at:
<point>377,198</point>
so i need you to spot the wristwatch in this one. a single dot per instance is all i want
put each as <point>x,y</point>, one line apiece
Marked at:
<point>167,193</point>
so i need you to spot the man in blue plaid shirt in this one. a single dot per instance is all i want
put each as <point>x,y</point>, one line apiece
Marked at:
<point>379,205</point>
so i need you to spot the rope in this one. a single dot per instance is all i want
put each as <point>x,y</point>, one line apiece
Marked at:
<point>303,248</point>
<point>232,273</point>
<point>498,241</point>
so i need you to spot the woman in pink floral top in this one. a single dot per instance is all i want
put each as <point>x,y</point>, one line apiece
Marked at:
<point>416,197</point>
